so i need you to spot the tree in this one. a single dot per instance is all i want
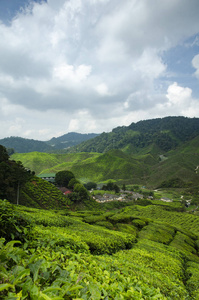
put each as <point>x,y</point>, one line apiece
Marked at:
<point>63,178</point>
<point>12,176</point>
<point>111,187</point>
<point>90,185</point>
<point>72,183</point>
<point>3,154</point>
<point>116,188</point>
<point>124,187</point>
<point>81,191</point>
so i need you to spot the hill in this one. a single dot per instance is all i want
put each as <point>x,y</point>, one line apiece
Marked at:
<point>165,134</point>
<point>22,145</point>
<point>146,169</point>
<point>20,186</point>
<point>148,152</point>
<point>70,139</point>
<point>97,167</point>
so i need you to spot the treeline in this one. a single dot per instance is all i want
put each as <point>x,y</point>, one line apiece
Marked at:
<point>13,176</point>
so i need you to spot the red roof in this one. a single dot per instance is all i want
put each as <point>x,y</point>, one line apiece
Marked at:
<point>67,192</point>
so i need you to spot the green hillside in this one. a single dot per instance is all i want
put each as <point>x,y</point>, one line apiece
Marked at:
<point>50,162</point>
<point>148,169</point>
<point>148,152</point>
<point>114,164</point>
<point>166,134</point>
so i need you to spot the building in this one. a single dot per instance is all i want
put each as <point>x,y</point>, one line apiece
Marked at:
<point>50,177</point>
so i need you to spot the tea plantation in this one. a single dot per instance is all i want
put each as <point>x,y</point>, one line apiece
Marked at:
<point>137,252</point>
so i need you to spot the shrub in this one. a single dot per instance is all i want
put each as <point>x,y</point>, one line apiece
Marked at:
<point>138,223</point>
<point>94,219</point>
<point>12,225</point>
<point>157,233</point>
<point>105,224</point>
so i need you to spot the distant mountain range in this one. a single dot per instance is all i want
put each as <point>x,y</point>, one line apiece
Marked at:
<point>70,139</point>
<point>164,134</point>
<point>22,145</point>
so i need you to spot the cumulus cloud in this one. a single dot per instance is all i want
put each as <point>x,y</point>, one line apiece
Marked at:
<point>90,65</point>
<point>180,101</point>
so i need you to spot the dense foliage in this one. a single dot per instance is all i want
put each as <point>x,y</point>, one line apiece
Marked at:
<point>66,255</point>
<point>42,194</point>
<point>165,133</point>
<point>12,224</point>
<point>13,176</point>
<point>62,178</point>
<point>110,186</point>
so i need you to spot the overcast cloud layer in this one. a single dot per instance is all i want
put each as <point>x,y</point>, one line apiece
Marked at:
<point>92,65</point>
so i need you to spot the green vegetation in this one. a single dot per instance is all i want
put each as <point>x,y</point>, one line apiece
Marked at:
<point>13,176</point>
<point>42,194</point>
<point>22,145</point>
<point>54,246</point>
<point>119,167</point>
<point>53,163</point>
<point>166,134</point>
<point>66,255</point>
<point>63,178</point>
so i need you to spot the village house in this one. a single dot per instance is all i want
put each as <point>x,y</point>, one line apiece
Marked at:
<point>64,190</point>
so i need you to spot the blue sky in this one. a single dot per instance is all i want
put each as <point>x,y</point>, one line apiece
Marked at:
<point>178,60</point>
<point>93,65</point>
<point>9,8</point>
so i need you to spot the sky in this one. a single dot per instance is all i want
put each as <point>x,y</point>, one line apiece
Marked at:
<point>89,66</point>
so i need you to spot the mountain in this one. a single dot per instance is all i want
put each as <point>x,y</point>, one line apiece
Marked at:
<point>70,139</point>
<point>22,145</point>
<point>164,134</point>
<point>148,153</point>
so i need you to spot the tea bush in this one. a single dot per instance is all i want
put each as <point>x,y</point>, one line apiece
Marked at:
<point>12,225</point>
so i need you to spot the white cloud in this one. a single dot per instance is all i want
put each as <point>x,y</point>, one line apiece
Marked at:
<point>180,102</point>
<point>91,65</point>
<point>102,89</point>
<point>71,73</point>
<point>195,63</point>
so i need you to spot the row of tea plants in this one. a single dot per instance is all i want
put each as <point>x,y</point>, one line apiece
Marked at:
<point>119,254</point>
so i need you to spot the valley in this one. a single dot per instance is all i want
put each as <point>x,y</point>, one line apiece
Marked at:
<point>134,236</point>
